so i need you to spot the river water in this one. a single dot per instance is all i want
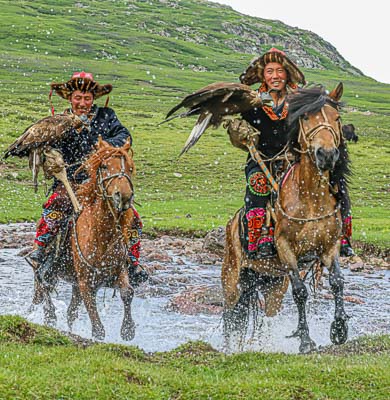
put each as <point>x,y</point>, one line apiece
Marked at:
<point>160,329</point>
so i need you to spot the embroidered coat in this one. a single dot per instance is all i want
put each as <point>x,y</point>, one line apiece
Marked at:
<point>76,146</point>
<point>273,133</point>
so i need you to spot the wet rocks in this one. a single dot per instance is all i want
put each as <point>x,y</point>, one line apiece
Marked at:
<point>214,241</point>
<point>206,299</point>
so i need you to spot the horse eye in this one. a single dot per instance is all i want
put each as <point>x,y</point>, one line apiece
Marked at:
<point>104,167</point>
<point>305,117</point>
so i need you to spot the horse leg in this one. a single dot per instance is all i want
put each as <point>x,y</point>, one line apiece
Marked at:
<point>273,290</point>
<point>39,291</point>
<point>339,327</point>
<point>300,296</point>
<point>235,319</point>
<point>73,309</point>
<point>127,293</point>
<point>49,311</point>
<point>88,295</point>
<point>230,277</point>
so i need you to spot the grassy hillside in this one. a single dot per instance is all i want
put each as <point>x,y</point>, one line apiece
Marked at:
<point>64,370</point>
<point>123,42</point>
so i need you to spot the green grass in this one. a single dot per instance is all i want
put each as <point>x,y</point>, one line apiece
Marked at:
<point>62,370</point>
<point>42,42</point>
<point>203,189</point>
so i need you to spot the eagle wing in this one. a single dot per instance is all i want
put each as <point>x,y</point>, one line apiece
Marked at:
<point>214,102</point>
<point>42,134</point>
<point>39,137</point>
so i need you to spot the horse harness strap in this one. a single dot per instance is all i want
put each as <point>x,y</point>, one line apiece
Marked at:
<point>302,220</point>
<point>81,255</point>
<point>105,196</point>
<point>110,178</point>
<point>310,134</point>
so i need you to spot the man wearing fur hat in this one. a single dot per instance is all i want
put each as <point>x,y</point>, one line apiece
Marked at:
<point>81,91</point>
<point>278,75</point>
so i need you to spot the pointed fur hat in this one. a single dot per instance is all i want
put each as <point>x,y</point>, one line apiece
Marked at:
<point>82,81</point>
<point>254,73</point>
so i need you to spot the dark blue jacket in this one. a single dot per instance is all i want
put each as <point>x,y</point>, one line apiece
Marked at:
<point>77,146</point>
<point>273,134</point>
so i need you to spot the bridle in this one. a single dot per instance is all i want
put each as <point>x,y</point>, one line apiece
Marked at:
<point>104,182</point>
<point>308,136</point>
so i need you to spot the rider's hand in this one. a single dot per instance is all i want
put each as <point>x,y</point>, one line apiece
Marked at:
<point>241,131</point>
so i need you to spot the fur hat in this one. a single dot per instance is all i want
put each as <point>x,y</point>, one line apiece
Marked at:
<point>82,81</point>
<point>254,73</point>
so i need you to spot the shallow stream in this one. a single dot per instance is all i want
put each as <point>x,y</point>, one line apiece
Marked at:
<point>160,329</point>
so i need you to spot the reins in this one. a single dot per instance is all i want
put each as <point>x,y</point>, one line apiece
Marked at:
<point>102,192</point>
<point>110,178</point>
<point>307,137</point>
<point>313,219</point>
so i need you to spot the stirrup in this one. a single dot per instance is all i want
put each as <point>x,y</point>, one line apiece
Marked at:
<point>137,274</point>
<point>346,251</point>
<point>266,252</point>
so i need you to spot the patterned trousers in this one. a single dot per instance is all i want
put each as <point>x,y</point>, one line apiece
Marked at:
<point>56,212</point>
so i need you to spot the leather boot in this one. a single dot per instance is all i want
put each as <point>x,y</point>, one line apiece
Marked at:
<point>43,263</point>
<point>346,248</point>
<point>137,274</point>
<point>266,250</point>
<point>38,255</point>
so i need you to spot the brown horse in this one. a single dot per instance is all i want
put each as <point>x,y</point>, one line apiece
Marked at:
<point>307,224</point>
<point>94,253</point>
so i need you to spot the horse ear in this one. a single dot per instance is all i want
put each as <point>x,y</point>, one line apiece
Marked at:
<point>101,143</point>
<point>337,92</point>
<point>127,145</point>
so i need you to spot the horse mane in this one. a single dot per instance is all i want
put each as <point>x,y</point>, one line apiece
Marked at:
<point>87,192</point>
<point>307,101</point>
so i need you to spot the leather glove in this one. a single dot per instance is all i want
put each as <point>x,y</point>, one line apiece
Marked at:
<point>241,131</point>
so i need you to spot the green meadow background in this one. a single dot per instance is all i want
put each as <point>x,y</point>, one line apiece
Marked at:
<point>44,42</point>
<point>154,53</point>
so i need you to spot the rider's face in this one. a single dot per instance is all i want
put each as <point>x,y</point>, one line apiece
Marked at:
<point>81,102</point>
<point>275,76</point>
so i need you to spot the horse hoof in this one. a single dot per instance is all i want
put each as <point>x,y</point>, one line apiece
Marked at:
<point>98,334</point>
<point>50,321</point>
<point>128,332</point>
<point>339,332</point>
<point>307,346</point>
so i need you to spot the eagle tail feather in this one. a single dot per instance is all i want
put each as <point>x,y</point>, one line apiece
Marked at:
<point>196,133</point>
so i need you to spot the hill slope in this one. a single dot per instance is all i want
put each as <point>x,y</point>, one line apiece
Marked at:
<point>110,30</point>
<point>154,52</point>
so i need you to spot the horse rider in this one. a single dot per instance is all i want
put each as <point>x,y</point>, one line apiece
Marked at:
<point>81,91</point>
<point>278,76</point>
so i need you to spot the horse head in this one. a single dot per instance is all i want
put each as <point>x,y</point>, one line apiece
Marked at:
<point>115,173</point>
<point>111,170</point>
<point>316,116</point>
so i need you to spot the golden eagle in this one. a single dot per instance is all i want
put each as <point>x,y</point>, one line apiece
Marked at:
<point>38,139</point>
<point>213,103</point>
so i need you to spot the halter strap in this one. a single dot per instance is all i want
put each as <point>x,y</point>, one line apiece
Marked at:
<point>309,135</point>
